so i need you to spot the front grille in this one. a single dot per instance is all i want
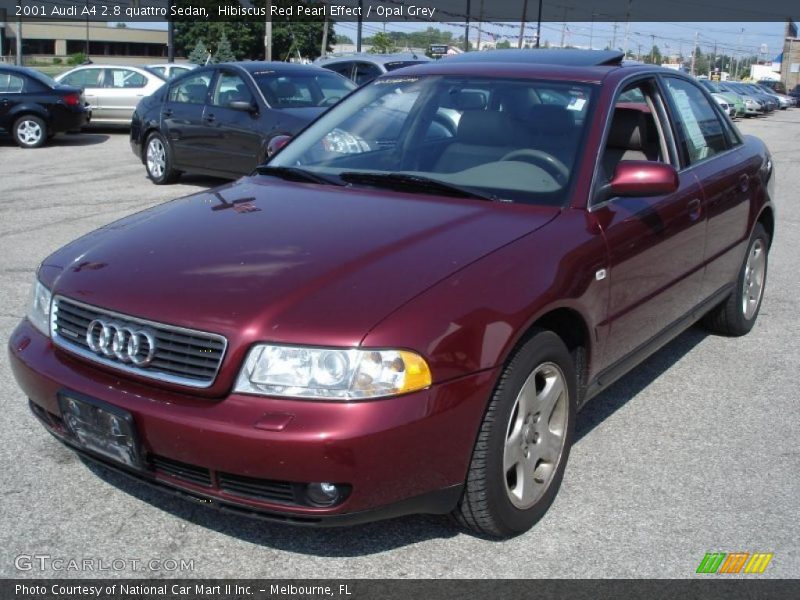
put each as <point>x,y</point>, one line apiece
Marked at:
<point>180,470</point>
<point>260,489</point>
<point>181,356</point>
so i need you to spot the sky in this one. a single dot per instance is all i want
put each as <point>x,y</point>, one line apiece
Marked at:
<point>731,38</point>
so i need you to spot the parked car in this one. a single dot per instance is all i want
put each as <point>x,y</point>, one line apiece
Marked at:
<point>219,119</point>
<point>113,91</point>
<point>364,67</point>
<point>34,108</point>
<point>784,100</point>
<point>754,105</point>
<point>731,98</point>
<point>724,104</point>
<point>170,70</point>
<point>768,102</point>
<point>773,85</point>
<point>359,333</point>
<point>795,93</point>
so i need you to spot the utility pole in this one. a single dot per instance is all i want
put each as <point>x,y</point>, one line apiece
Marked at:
<point>324,50</point>
<point>614,38</point>
<point>268,33</point>
<point>652,49</point>
<point>591,32</point>
<point>170,35</point>
<point>627,29</point>
<point>480,22</point>
<point>694,51</point>
<point>87,29</point>
<point>19,39</point>
<point>522,23</point>
<point>466,28</point>
<point>563,33</point>
<point>359,31</point>
<point>539,25</point>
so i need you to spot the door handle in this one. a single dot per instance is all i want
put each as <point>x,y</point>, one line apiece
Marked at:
<point>744,182</point>
<point>167,112</point>
<point>695,209</point>
<point>210,118</point>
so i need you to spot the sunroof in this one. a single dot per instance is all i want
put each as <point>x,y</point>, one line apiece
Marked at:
<point>544,56</point>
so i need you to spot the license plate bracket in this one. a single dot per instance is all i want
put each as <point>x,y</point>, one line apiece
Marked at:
<point>101,428</point>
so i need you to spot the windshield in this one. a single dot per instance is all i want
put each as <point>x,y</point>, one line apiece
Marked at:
<point>509,140</point>
<point>302,89</point>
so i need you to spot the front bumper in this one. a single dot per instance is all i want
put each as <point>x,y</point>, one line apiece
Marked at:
<point>402,455</point>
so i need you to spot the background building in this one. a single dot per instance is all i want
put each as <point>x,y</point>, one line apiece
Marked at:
<point>790,64</point>
<point>43,42</point>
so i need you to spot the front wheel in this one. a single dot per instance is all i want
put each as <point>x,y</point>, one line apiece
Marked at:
<point>522,448</point>
<point>30,132</point>
<point>158,160</point>
<point>737,315</point>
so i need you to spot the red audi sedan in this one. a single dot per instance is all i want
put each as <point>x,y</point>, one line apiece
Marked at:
<point>404,309</point>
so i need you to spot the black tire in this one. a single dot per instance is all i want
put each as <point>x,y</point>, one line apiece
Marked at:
<point>158,161</point>
<point>730,317</point>
<point>486,507</point>
<point>30,131</point>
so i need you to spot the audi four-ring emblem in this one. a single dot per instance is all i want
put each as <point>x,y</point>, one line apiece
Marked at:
<point>126,343</point>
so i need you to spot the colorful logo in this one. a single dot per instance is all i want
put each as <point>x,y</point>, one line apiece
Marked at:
<point>734,562</point>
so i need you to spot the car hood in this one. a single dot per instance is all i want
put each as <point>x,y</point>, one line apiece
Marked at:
<point>266,259</point>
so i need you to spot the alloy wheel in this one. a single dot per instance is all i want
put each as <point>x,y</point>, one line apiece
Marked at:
<point>29,132</point>
<point>754,273</point>
<point>156,158</point>
<point>535,435</point>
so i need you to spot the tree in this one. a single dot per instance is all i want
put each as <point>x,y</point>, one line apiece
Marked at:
<point>121,25</point>
<point>343,39</point>
<point>382,43</point>
<point>654,56</point>
<point>503,45</point>
<point>224,52</point>
<point>246,38</point>
<point>199,55</point>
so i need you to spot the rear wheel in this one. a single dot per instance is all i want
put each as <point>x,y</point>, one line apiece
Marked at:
<point>737,315</point>
<point>30,132</point>
<point>158,160</point>
<point>524,441</point>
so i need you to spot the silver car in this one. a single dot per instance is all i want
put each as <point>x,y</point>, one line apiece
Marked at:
<point>113,91</point>
<point>171,70</point>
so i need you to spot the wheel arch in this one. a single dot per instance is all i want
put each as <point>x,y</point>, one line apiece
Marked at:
<point>767,218</point>
<point>569,325</point>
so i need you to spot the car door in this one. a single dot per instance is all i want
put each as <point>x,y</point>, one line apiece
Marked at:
<point>655,244</point>
<point>182,118</point>
<point>122,90</point>
<point>11,86</point>
<point>234,135</point>
<point>91,80</point>
<point>713,153</point>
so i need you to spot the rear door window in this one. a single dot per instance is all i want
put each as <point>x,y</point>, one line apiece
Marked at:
<point>11,84</point>
<point>84,78</point>
<point>698,123</point>
<point>192,90</point>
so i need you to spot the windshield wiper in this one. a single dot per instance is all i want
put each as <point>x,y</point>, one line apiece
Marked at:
<point>413,183</point>
<point>296,174</point>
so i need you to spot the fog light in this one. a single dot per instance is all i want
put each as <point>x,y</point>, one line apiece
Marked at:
<point>322,494</point>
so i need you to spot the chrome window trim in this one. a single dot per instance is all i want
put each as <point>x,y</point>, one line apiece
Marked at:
<point>66,344</point>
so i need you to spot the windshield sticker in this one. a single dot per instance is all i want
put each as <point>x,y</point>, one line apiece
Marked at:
<point>394,80</point>
<point>690,123</point>
<point>576,104</point>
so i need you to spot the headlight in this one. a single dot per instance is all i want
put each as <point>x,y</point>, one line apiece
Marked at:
<point>39,308</point>
<point>331,373</point>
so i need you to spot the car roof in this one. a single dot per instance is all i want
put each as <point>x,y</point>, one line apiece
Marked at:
<point>374,58</point>
<point>543,56</point>
<point>255,66</point>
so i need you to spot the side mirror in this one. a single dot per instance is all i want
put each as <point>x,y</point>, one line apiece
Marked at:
<point>243,106</point>
<point>276,143</point>
<point>642,178</point>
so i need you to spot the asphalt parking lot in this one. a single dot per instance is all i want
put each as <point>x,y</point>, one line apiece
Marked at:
<point>693,452</point>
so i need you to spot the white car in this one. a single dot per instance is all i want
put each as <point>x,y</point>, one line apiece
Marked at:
<point>171,70</point>
<point>729,108</point>
<point>113,91</point>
